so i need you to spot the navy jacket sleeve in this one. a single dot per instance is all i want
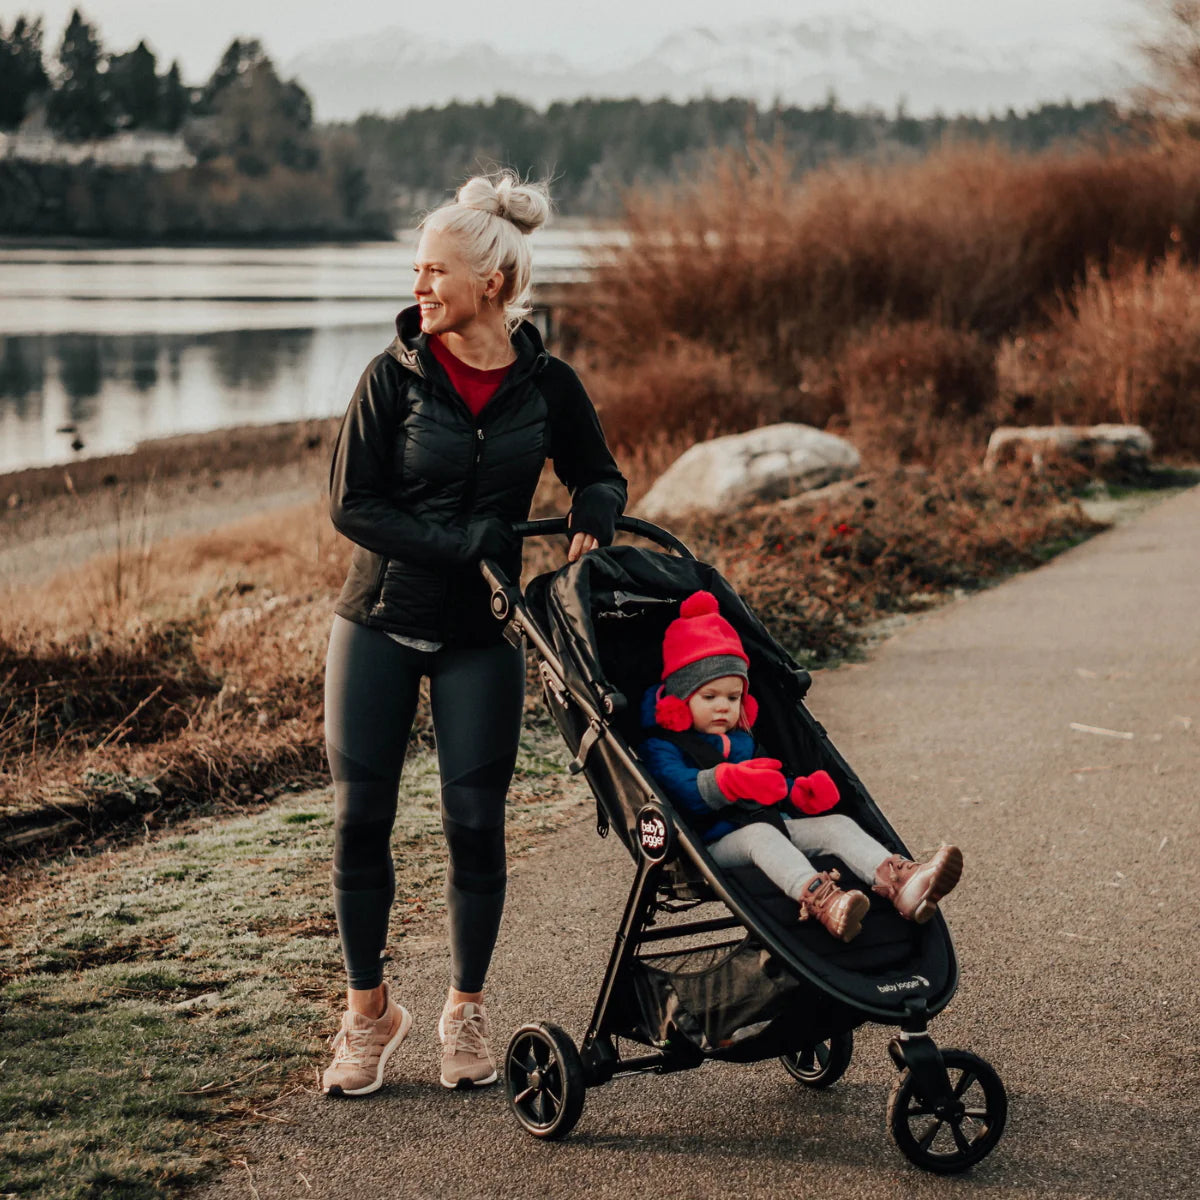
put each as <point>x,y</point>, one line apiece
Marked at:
<point>582,459</point>
<point>677,777</point>
<point>361,477</point>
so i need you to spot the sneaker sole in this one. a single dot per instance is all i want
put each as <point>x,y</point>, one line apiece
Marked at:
<point>852,925</point>
<point>399,1036</point>
<point>466,1084</point>
<point>943,881</point>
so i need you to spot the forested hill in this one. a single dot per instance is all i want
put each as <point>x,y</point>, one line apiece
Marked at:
<point>592,149</point>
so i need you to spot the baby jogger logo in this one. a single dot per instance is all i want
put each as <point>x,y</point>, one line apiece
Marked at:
<point>652,834</point>
<point>903,985</point>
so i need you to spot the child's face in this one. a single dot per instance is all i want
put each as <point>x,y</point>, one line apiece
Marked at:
<point>716,707</point>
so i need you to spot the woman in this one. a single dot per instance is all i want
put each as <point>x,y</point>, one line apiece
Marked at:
<point>439,453</point>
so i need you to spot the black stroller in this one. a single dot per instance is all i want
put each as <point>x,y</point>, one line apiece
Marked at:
<point>708,962</point>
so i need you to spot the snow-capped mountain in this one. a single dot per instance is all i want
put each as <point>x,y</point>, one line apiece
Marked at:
<point>863,61</point>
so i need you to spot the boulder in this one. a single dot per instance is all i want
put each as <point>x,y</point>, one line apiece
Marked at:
<point>744,469</point>
<point>1105,447</point>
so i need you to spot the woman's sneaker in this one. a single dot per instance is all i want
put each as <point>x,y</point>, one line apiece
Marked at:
<point>362,1048</point>
<point>915,888</point>
<point>840,912</point>
<point>467,1059</point>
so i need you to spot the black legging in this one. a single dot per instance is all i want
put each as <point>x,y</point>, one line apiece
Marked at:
<point>476,697</point>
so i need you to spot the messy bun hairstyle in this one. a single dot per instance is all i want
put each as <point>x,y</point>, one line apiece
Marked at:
<point>491,216</point>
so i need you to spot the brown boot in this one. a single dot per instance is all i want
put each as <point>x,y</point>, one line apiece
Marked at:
<point>916,888</point>
<point>840,912</point>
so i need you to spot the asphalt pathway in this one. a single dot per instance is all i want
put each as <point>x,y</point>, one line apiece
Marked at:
<point>1049,726</point>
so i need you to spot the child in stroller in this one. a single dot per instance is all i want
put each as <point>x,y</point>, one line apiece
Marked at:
<point>702,753</point>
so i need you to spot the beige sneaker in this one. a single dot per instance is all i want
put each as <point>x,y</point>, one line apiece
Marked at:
<point>466,1056</point>
<point>362,1048</point>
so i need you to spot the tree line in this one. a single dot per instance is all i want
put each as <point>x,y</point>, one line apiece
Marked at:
<point>594,149</point>
<point>264,165</point>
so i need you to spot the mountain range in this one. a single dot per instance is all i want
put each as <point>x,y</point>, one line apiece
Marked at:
<point>860,60</point>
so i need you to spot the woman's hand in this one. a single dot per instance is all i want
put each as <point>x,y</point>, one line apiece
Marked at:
<point>581,543</point>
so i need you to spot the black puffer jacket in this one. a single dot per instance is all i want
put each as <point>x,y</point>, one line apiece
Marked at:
<point>413,470</point>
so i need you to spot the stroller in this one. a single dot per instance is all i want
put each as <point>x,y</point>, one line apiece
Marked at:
<point>710,962</point>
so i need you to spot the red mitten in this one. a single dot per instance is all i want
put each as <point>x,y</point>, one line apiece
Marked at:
<point>757,779</point>
<point>815,793</point>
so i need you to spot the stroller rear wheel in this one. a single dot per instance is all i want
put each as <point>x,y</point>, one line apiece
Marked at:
<point>950,1137</point>
<point>543,1076</point>
<point>822,1064</point>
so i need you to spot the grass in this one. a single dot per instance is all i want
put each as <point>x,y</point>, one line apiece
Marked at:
<point>139,1031</point>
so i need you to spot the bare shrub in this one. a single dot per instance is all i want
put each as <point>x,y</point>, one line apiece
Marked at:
<point>774,271</point>
<point>1124,347</point>
<point>689,391</point>
<point>913,392</point>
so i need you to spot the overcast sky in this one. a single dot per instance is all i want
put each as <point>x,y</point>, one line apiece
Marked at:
<point>584,30</point>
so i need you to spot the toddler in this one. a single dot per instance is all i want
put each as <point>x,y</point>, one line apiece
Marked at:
<point>701,752</point>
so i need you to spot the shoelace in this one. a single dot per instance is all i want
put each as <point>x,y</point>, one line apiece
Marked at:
<point>357,1048</point>
<point>467,1029</point>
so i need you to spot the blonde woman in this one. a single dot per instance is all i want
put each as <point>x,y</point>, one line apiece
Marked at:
<point>438,455</point>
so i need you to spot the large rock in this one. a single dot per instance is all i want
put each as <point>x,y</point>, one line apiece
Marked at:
<point>745,469</point>
<point>1120,447</point>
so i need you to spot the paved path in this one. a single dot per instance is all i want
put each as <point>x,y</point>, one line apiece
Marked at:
<point>1075,926</point>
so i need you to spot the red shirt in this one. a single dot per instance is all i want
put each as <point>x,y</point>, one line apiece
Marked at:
<point>474,385</point>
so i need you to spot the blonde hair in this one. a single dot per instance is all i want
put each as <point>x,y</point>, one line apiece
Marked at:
<point>491,215</point>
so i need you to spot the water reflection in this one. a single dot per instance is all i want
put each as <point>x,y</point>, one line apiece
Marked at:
<point>110,391</point>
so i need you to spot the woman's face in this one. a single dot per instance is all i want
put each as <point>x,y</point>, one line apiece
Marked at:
<point>716,706</point>
<point>450,296</point>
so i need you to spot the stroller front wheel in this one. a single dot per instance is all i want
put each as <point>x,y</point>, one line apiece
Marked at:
<point>822,1064</point>
<point>949,1137</point>
<point>543,1076</point>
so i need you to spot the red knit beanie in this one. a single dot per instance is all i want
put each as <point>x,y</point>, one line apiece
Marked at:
<point>697,648</point>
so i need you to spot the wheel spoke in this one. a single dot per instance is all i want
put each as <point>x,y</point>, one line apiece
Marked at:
<point>978,1114</point>
<point>523,1057</point>
<point>541,1054</point>
<point>968,1078</point>
<point>524,1095</point>
<point>926,1141</point>
<point>822,1052</point>
<point>918,1108</point>
<point>806,1059</point>
<point>960,1139</point>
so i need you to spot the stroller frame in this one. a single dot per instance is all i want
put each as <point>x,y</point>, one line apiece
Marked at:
<point>939,1099</point>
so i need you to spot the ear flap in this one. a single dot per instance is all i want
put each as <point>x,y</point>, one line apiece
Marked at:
<point>672,713</point>
<point>749,712</point>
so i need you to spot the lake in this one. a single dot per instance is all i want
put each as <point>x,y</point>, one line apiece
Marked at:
<point>102,348</point>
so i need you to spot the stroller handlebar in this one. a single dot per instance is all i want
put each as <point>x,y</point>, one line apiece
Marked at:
<point>551,526</point>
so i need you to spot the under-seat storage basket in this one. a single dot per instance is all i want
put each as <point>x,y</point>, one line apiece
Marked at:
<point>712,997</point>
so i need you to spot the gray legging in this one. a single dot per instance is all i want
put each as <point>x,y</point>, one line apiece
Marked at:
<point>477,697</point>
<point>782,859</point>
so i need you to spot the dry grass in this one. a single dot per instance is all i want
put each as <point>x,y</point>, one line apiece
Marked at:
<point>747,296</point>
<point>1125,346</point>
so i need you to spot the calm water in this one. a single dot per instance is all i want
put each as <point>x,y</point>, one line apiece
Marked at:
<point>110,347</point>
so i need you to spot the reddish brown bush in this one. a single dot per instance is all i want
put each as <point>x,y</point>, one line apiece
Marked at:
<point>914,391</point>
<point>773,271</point>
<point>1124,347</point>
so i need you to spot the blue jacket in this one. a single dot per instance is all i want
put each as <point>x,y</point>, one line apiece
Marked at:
<point>692,790</point>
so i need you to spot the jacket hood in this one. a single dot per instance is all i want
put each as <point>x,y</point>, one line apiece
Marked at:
<point>410,346</point>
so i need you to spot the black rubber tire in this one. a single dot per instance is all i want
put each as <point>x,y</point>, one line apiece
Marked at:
<point>822,1064</point>
<point>950,1140</point>
<point>543,1076</point>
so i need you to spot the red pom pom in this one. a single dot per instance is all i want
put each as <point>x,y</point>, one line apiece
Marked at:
<point>673,714</point>
<point>749,711</point>
<point>699,604</point>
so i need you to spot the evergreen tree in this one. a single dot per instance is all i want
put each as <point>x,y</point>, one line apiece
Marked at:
<point>80,107</point>
<point>133,87</point>
<point>22,75</point>
<point>174,101</point>
<point>240,58</point>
